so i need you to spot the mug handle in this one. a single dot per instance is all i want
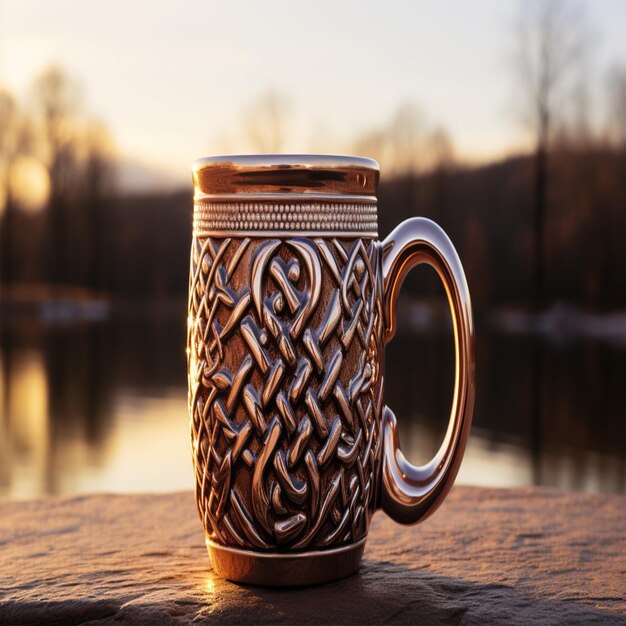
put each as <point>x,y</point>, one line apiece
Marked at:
<point>409,493</point>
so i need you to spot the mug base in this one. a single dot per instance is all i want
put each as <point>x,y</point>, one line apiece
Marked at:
<point>280,569</point>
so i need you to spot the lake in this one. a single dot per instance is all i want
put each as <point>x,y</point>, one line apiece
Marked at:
<point>101,406</point>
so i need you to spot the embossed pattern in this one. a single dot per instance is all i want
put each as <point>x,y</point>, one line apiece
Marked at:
<point>285,392</point>
<point>299,216</point>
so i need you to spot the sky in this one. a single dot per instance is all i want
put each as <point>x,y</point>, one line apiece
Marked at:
<point>173,80</point>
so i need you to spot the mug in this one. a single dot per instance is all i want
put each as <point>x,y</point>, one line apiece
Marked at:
<point>292,298</point>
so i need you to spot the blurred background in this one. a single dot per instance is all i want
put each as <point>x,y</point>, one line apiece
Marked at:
<point>504,121</point>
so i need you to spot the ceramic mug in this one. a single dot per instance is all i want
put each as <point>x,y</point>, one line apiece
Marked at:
<point>292,299</point>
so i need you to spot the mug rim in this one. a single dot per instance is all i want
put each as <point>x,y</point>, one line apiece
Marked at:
<point>287,161</point>
<point>306,174</point>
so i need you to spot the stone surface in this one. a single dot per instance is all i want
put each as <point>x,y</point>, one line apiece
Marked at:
<point>505,556</point>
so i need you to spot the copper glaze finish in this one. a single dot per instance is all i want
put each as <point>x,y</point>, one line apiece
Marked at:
<point>286,569</point>
<point>285,173</point>
<point>410,493</point>
<point>291,301</point>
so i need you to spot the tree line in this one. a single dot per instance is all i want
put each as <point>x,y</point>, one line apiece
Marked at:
<point>144,239</point>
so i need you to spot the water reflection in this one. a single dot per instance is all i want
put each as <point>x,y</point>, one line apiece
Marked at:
<point>102,407</point>
<point>24,443</point>
<point>580,441</point>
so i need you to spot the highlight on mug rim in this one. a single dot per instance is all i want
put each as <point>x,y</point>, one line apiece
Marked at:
<point>285,173</point>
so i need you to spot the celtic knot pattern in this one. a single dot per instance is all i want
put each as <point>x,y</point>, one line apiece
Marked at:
<point>284,351</point>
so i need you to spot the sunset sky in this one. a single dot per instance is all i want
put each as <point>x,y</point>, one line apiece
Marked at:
<point>173,80</point>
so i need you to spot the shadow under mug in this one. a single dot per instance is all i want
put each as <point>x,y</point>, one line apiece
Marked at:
<point>292,299</point>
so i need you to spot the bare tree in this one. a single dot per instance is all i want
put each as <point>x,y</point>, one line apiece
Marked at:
<point>549,42</point>
<point>56,101</point>
<point>14,142</point>
<point>439,150</point>
<point>549,38</point>
<point>406,133</point>
<point>78,155</point>
<point>617,105</point>
<point>265,122</point>
<point>98,178</point>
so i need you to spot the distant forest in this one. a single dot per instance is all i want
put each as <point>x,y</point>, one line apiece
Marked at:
<point>138,245</point>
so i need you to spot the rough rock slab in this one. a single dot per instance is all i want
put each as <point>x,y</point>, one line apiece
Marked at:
<point>504,556</point>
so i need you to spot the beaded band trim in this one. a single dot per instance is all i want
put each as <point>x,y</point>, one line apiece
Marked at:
<point>301,217</point>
